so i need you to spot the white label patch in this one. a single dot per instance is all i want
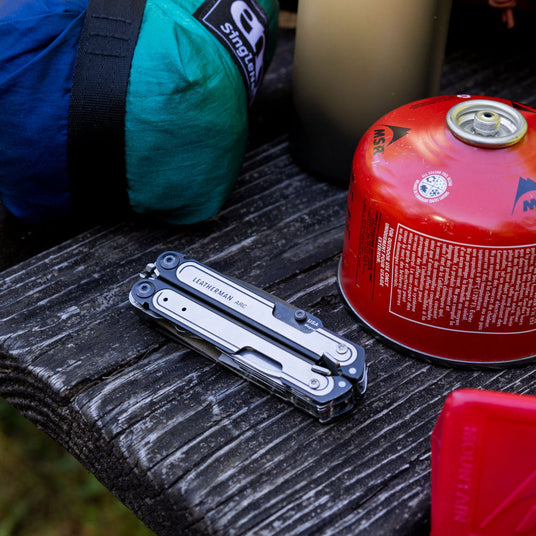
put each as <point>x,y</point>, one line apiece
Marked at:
<point>432,187</point>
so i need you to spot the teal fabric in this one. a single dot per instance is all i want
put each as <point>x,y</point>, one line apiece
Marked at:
<point>186,114</point>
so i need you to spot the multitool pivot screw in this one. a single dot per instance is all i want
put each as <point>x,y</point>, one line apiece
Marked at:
<point>169,261</point>
<point>144,289</point>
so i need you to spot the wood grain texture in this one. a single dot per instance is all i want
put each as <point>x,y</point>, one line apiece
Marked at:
<point>188,446</point>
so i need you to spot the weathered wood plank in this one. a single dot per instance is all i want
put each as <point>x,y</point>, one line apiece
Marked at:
<point>190,447</point>
<point>212,453</point>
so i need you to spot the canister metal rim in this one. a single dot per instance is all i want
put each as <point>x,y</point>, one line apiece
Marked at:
<point>461,115</point>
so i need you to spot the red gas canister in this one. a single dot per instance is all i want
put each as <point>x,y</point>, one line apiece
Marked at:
<point>439,254</point>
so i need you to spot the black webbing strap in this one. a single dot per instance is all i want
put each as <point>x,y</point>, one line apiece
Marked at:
<point>96,136</point>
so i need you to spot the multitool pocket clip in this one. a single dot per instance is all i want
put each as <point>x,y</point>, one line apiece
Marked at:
<point>262,338</point>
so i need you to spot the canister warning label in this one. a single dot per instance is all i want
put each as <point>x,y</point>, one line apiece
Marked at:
<point>462,287</point>
<point>432,187</point>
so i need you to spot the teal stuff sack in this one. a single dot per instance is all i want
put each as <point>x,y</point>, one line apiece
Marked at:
<point>145,105</point>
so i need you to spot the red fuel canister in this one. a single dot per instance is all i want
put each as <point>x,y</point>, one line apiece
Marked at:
<point>439,254</point>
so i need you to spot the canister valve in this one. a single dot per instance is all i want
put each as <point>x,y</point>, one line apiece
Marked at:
<point>486,123</point>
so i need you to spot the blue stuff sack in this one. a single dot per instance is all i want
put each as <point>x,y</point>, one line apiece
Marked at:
<point>89,125</point>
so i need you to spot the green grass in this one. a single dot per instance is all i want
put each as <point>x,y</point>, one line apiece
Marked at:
<point>44,491</point>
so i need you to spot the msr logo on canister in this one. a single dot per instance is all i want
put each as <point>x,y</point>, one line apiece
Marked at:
<point>526,192</point>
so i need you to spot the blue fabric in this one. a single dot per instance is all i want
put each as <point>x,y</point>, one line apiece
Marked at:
<point>38,44</point>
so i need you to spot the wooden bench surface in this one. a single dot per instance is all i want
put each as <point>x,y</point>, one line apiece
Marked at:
<point>187,445</point>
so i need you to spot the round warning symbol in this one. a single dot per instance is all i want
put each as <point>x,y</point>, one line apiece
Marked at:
<point>432,186</point>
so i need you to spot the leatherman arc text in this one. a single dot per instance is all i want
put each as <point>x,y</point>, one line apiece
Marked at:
<point>264,339</point>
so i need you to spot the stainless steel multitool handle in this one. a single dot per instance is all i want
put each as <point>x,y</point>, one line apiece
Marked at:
<point>264,339</point>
